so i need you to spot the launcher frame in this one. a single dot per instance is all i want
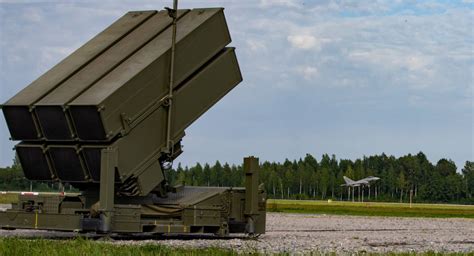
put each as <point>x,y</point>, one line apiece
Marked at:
<point>101,120</point>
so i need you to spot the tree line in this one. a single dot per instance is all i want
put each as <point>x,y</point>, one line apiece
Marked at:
<point>309,178</point>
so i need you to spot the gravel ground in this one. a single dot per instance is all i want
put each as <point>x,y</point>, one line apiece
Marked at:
<point>303,233</point>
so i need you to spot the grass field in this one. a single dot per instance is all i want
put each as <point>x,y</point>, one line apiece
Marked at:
<point>349,208</point>
<point>79,246</point>
<point>371,208</point>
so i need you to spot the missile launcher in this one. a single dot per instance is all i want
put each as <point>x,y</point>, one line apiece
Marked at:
<point>109,121</point>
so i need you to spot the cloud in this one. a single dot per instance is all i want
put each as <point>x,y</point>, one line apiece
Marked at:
<point>308,72</point>
<point>33,14</point>
<point>256,45</point>
<point>304,42</point>
<point>394,59</point>
<point>285,3</point>
<point>414,68</point>
<point>415,100</point>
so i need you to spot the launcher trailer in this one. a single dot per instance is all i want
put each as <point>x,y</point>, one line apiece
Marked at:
<point>109,120</point>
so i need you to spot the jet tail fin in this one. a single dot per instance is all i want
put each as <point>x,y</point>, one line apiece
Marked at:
<point>347,180</point>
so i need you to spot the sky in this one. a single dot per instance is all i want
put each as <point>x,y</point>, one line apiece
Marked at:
<point>351,78</point>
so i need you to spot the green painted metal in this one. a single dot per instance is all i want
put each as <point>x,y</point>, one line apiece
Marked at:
<point>102,121</point>
<point>120,94</point>
<point>251,168</point>
<point>192,210</point>
<point>107,187</point>
<point>21,122</point>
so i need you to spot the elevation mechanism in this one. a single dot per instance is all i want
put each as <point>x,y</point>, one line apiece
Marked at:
<point>108,118</point>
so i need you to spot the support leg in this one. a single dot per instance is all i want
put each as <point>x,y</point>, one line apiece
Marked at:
<point>108,163</point>
<point>251,168</point>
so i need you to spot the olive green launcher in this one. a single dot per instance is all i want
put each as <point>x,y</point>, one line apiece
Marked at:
<point>108,121</point>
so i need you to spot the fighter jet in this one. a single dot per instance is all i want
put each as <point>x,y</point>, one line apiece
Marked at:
<point>365,182</point>
<point>357,183</point>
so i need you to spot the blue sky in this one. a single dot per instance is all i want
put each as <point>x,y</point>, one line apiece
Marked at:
<point>350,78</point>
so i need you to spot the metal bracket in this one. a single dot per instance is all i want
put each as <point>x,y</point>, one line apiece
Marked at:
<point>169,100</point>
<point>126,121</point>
<point>172,12</point>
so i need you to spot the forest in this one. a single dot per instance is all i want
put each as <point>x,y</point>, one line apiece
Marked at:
<point>310,178</point>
